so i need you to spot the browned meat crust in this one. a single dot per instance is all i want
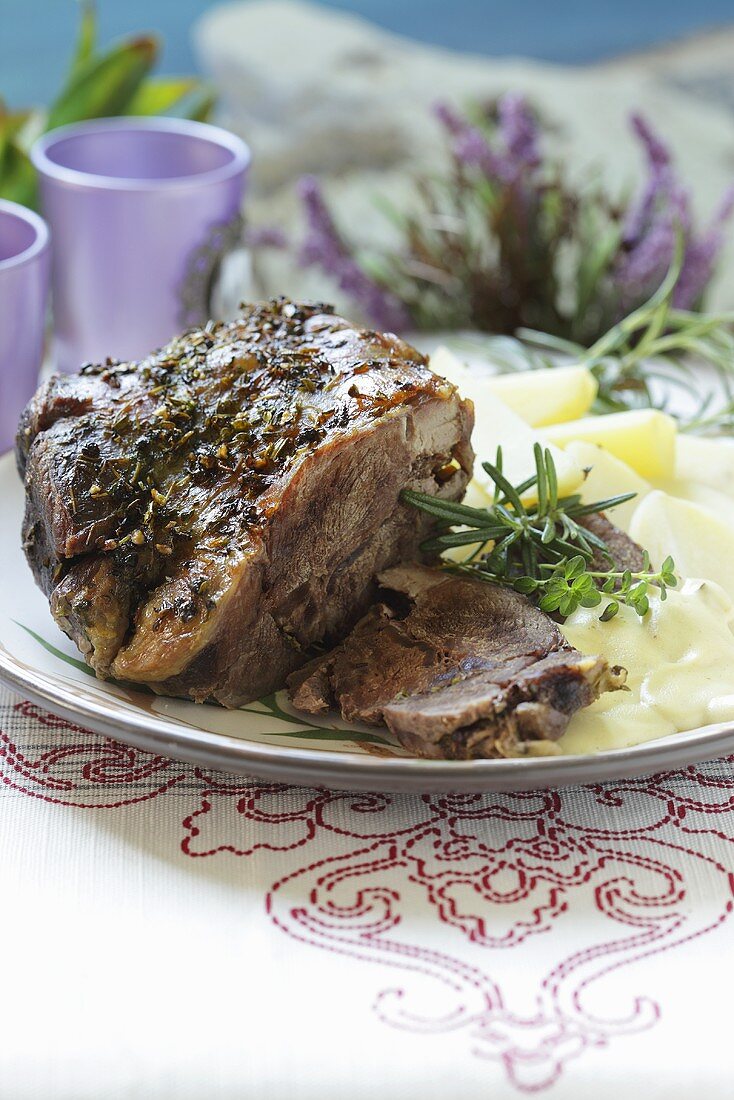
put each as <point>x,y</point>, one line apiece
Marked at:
<point>462,669</point>
<point>201,519</point>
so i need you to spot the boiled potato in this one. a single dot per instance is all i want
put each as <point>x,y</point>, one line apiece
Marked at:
<point>702,545</point>
<point>539,396</point>
<point>498,426</point>
<point>707,461</point>
<point>713,500</point>
<point>643,438</point>
<point>607,477</point>
<point>449,366</point>
<point>544,397</point>
<point>475,496</point>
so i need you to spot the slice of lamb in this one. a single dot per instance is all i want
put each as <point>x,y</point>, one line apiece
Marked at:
<point>625,552</point>
<point>468,670</point>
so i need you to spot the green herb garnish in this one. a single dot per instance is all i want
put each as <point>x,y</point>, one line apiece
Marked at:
<point>542,549</point>
<point>571,585</point>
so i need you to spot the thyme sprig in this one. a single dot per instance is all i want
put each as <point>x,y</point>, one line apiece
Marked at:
<point>541,549</point>
<point>571,585</point>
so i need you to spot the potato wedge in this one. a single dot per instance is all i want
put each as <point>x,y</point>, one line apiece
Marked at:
<point>543,397</point>
<point>643,438</point>
<point>607,477</point>
<point>713,500</point>
<point>707,461</point>
<point>701,544</point>
<point>497,425</point>
<point>540,397</point>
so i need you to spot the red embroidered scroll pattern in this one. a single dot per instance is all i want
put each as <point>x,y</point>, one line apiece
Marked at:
<point>498,872</point>
<point>442,889</point>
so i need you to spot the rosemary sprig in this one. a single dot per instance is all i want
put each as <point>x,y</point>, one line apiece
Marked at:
<point>541,549</point>
<point>656,342</point>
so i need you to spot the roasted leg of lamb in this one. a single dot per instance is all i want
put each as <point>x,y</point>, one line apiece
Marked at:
<point>202,519</point>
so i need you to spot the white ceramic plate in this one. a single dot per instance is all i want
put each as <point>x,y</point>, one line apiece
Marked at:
<point>267,739</point>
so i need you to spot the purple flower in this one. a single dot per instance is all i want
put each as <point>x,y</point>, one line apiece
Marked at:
<point>324,247</point>
<point>662,211</point>
<point>701,257</point>
<point>512,154</point>
<point>645,262</point>
<point>642,269</point>
<point>472,148</point>
<point>659,182</point>
<point>658,154</point>
<point>450,119</point>
<point>519,131</point>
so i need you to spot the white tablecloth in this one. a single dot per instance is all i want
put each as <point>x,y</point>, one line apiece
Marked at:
<point>171,933</point>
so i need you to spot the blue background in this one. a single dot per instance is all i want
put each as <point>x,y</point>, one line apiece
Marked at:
<point>36,36</point>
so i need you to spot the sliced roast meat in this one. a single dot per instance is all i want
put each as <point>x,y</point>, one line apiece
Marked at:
<point>201,519</point>
<point>623,551</point>
<point>456,668</point>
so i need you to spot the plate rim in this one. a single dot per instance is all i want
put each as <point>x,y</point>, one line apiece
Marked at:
<point>352,771</point>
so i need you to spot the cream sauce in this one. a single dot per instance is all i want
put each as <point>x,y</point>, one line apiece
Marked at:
<point>680,657</point>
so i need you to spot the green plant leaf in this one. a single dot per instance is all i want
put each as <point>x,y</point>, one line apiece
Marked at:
<point>105,85</point>
<point>198,105</point>
<point>12,122</point>
<point>17,174</point>
<point>598,247</point>
<point>86,41</point>
<point>318,733</point>
<point>183,97</point>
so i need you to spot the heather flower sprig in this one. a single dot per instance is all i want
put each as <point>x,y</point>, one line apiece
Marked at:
<point>651,226</point>
<point>516,148</point>
<point>502,241</point>
<point>324,246</point>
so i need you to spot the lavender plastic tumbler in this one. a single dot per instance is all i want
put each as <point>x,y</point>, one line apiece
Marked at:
<point>24,264</point>
<point>140,211</point>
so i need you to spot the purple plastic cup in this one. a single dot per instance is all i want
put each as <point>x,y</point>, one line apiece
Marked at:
<point>141,211</point>
<point>24,269</point>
